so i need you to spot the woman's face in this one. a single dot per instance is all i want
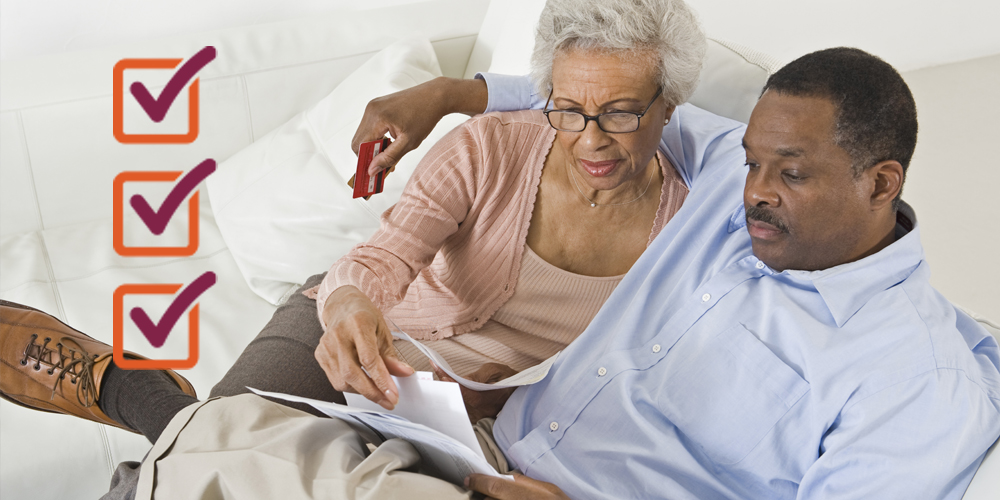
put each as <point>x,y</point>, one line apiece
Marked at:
<point>594,82</point>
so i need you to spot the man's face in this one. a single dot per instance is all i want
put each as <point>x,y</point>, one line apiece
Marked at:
<point>805,209</point>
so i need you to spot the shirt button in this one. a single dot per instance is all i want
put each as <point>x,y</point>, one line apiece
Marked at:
<point>706,297</point>
<point>760,265</point>
<point>656,348</point>
<point>554,426</point>
<point>602,372</point>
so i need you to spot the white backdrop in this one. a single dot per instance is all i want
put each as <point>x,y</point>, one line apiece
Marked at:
<point>909,34</point>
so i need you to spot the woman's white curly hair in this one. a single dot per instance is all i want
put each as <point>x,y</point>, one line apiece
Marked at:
<point>667,28</point>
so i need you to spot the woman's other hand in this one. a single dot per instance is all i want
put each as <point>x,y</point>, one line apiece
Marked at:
<point>356,349</point>
<point>409,115</point>
<point>482,404</point>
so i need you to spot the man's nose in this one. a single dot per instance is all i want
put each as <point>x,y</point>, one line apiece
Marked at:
<point>760,188</point>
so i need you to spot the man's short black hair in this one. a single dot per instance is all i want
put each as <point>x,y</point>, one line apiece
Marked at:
<point>876,115</point>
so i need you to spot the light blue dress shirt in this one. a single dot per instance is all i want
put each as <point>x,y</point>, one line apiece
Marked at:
<point>708,375</point>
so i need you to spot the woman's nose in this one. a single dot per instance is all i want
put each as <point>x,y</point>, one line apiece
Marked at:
<point>593,137</point>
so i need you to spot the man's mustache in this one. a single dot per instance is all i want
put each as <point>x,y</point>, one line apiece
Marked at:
<point>754,212</point>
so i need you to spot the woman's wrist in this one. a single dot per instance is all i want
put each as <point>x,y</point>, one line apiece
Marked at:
<point>335,301</point>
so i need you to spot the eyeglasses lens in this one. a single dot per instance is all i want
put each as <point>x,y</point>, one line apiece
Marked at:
<point>571,121</point>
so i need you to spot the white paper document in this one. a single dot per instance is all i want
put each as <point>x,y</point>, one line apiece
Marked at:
<point>430,415</point>
<point>526,377</point>
<point>440,430</point>
<point>430,402</point>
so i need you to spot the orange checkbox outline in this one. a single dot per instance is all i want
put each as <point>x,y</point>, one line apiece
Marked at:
<point>151,364</point>
<point>118,99</point>
<point>119,217</point>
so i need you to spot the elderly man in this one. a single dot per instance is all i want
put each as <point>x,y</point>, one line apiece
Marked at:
<point>778,339</point>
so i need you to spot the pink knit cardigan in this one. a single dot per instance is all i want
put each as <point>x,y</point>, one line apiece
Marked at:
<point>447,255</point>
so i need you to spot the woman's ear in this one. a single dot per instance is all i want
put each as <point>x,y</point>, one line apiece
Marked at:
<point>669,113</point>
<point>888,181</point>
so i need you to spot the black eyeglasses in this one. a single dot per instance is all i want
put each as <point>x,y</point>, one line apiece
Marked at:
<point>616,122</point>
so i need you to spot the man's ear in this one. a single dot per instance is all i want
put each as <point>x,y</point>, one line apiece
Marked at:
<point>888,176</point>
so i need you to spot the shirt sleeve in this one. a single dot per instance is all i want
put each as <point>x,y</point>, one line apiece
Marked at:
<point>921,438</point>
<point>510,93</point>
<point>434,202</point>
<point>700,143</point>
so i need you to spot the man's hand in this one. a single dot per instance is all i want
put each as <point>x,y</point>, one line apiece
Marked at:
<point>410,115</point>
<point>356,349</point>
<point>521,488</point>
<point>482,404</point>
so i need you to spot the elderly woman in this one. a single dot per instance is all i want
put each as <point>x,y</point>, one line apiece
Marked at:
<point>509,237</point>
<point>517,226</point>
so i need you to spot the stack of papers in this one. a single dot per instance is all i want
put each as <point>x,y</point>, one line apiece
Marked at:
<point>448,446</point>
<point>430,415</point>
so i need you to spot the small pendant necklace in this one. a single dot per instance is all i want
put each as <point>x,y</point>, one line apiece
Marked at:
<point>593,204</point>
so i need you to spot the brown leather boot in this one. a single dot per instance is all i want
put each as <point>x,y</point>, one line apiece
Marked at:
<point>47,365</point>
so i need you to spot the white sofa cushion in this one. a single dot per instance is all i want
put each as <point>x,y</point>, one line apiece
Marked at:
<point>57,162</point>
<point>283,204</point>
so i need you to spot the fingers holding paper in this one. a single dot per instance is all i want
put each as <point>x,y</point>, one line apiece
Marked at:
<point>356,348</point>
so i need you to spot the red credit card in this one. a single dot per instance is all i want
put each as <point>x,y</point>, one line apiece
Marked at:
<point>363,184</point>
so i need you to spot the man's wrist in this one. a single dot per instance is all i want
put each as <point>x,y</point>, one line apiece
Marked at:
<point>458,95</point>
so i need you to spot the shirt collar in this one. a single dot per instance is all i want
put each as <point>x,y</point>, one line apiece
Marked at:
<point>848,287</point>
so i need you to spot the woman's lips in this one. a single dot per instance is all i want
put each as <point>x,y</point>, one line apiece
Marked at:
<point>599,168</point>
<point>762,230</point>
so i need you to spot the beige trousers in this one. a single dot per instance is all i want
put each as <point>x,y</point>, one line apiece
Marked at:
<point>246,447</point>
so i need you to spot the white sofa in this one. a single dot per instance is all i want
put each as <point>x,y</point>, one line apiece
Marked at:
<point>58,159</point>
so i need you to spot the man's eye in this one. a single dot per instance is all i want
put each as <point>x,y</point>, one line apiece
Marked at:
<point>751,165</point>
<point>793,177</point>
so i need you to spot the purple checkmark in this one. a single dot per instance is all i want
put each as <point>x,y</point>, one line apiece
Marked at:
<point>156,220</point>
<point>157,108</point>
<point>157,333</point>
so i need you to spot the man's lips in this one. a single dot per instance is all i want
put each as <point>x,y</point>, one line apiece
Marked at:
<point>599,168</point>
<point>762,230</point>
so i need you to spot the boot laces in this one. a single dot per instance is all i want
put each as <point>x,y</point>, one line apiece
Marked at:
<point>73,361</point>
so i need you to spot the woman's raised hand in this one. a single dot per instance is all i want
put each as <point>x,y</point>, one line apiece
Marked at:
<point>356,349</point>
<point>410,115</point>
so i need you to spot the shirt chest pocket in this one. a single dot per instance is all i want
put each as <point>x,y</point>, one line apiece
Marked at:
<point>725,393</point>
